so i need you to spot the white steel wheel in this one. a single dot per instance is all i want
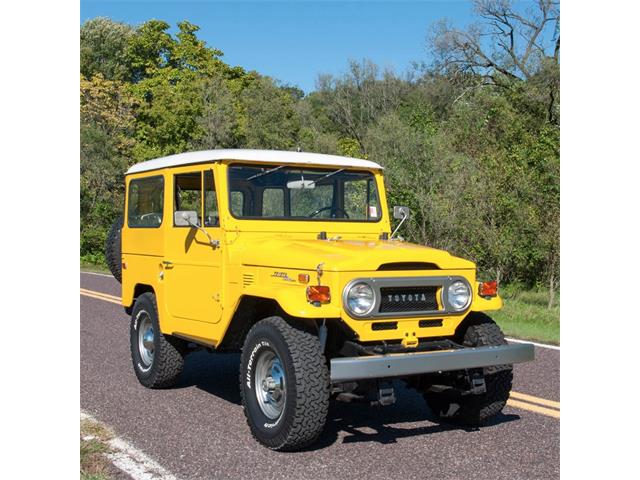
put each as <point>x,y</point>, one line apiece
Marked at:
<point>145,340</point>
<point>270,382</point>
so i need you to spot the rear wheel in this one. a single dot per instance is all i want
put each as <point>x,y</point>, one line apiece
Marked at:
<point>157,359</point>
<point>284,384</point>
<point>476,409</point>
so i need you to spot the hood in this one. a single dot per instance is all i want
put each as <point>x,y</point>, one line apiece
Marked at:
<point>347,255</point>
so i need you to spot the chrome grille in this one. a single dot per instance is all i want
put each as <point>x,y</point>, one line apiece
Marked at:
<point>408,299</point>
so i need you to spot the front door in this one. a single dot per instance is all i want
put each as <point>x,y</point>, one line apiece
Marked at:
<point>192,266</point>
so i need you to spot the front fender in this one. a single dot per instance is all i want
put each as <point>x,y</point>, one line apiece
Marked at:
<point>284,286</point>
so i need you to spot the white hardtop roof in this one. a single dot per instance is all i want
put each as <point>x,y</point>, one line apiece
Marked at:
<point>266,156</point>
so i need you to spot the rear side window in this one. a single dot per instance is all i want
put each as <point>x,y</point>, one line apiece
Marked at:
<point>145,202</point>
<point>211,215</point>
<point>188,193</point>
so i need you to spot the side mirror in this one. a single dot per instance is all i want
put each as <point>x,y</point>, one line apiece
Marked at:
<point>400,213</point>
<point>188,218</point>
<point>185,218</point>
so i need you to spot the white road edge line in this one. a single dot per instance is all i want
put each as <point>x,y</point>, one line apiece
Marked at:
<point>541,345</point>
<point>132,461</point>
<point>96,273</point>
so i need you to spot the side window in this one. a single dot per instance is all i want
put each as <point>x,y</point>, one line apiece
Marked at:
<point>360,199</point>
<point>273,202</point>
<point>211,215</point>
<point>188,193</point>
<point>237,203</point>
<point>145,202</point>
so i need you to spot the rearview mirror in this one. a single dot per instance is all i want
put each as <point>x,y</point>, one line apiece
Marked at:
<point>185,218</point>
<point>400,213</point>
<point>300,184</point>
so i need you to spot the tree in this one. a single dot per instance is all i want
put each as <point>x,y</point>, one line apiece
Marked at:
<point>107,126</point>
<point>270,119</point>
<point>109,105</point>
<point>506,46</point>
<point>358,98</point>
<point>103,47</point>
<point>220,118</point>
<point>172,78</point>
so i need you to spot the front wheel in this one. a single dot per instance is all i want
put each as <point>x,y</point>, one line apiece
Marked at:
<point>284,384</point>
<point>473,410</point>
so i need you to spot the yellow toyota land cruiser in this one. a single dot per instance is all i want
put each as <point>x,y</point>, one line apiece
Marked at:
<point>290,259</point>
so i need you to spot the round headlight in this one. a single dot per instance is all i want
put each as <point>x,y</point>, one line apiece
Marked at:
<point>458,295</point>
<point>360,299</point>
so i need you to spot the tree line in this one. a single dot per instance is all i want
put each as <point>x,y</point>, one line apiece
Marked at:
<point>470,140</point>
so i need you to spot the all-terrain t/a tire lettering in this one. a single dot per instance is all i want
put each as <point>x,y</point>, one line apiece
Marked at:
<point>307,385</point>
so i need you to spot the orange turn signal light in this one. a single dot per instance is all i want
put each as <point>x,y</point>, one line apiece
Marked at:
<point>303,277</point>
<point>318,294</point>
<point>488,289</point>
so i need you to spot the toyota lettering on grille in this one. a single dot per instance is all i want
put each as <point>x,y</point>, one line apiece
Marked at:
<point>407,297</point>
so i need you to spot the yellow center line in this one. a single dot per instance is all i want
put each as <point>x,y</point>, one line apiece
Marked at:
<point>517,400</point>
<point>100,294</point>
<point>549,412</point>
<point>532,399</point>
<point>100,297</point>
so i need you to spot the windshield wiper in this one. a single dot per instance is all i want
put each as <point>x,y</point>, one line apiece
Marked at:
<point>327,175</point>
<point>265,173</point>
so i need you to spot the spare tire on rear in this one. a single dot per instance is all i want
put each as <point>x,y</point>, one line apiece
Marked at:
<point>113,249</point>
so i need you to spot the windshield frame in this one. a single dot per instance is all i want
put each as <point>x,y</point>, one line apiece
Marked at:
<point>331,169</point>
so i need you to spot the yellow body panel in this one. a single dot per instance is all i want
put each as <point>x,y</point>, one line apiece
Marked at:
<point>198,287</point>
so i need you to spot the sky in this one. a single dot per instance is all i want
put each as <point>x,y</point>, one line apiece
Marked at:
<point>295,41</point>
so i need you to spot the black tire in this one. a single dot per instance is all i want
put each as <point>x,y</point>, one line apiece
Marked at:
<point>304,414</point>
<point>474,410</point>
<point>167,362</point>
<point>113,249</point>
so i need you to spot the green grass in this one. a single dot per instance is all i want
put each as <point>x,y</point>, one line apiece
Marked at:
<point>93,267</point>
<point>525,314</point>
<point>94,464</point>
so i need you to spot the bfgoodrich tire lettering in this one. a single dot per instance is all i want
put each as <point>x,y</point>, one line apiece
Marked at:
<point>161,364</point>
<point>307,385</point>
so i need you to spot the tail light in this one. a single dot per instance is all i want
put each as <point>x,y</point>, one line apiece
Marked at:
<point>318,294</point>
<point>488,289</point>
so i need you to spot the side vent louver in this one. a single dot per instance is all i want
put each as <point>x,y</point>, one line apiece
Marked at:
<point>247,279</point>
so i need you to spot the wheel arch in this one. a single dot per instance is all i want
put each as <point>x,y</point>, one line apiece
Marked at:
<point>250,310</point>
<point>138,290</point>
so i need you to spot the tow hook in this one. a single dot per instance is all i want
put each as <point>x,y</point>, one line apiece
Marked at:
<point>477,385</point>
<point>386,394</point>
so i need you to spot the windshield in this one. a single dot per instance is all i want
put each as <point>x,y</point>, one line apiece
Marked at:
<point>295,193</point>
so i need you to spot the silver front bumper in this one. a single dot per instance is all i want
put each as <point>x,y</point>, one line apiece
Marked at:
<point>403,364</point>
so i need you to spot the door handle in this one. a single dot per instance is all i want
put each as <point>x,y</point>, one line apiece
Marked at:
<point>167,264</point>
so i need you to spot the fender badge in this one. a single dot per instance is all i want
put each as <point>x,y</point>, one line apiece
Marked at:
<point>283,275</point>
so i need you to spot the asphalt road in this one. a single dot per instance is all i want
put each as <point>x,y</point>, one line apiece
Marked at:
<point>197,429</point>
